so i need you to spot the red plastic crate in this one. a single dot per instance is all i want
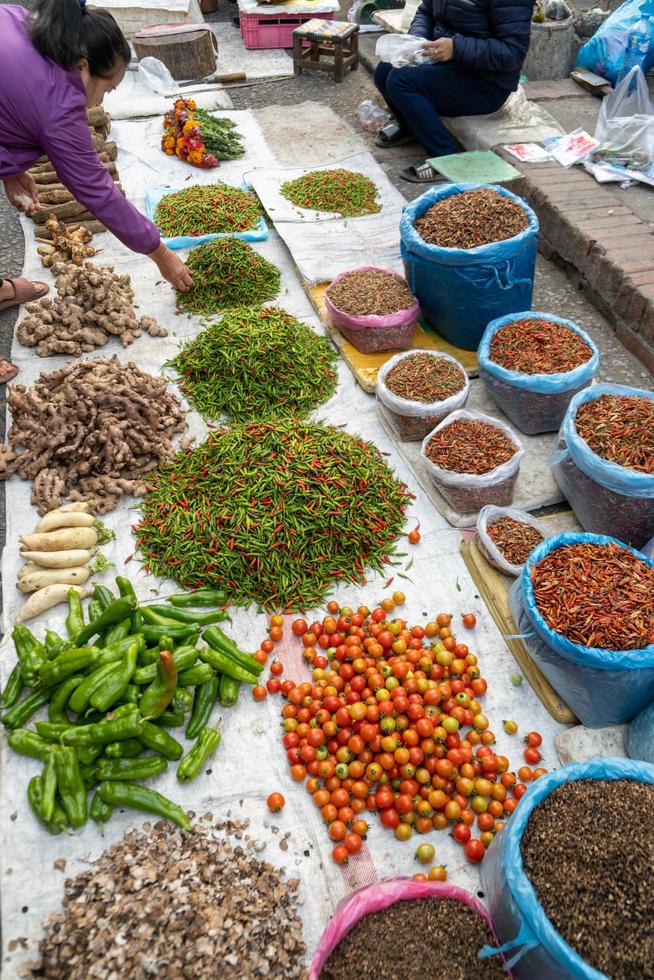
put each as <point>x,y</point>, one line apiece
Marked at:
<point>273,30</point>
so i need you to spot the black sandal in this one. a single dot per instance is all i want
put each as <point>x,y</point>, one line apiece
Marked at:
<point>422,173</point>
<point>392,135</point>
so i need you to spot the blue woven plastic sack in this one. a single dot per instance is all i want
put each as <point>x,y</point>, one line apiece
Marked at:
<point>461,290</point>
<point>534,402</point>
<point>604,52</point>
<point>539,951</point>
<point>606,497</point>
<point>602,687</point>
<point>154,194</point>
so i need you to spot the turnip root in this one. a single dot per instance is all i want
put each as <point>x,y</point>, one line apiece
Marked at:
<point>69,518</point>
<point>44,577</point>
<point>58,559</point>
<point>63,539</point>
<point>48,597</point>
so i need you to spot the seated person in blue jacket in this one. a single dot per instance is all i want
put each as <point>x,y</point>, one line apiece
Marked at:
<point>477,47</point>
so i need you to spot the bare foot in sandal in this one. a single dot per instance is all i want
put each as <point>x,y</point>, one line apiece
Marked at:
<point>7,371</point>
<point>13,292</point>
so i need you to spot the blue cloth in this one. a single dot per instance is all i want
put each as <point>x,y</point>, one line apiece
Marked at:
<point>420,96</point>
<point>491,37</point>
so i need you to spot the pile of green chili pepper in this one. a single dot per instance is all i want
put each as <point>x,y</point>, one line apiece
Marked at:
<point>272,511</point>
<point>338,191</point>
<point>127,676</point>
<point>256,363</point>
<point>207,209</point>
<point>228,272</point>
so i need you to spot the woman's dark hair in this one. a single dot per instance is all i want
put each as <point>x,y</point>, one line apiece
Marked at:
<point>65,31</point>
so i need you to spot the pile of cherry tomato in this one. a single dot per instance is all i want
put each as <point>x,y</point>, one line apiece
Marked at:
<point>391,722</point>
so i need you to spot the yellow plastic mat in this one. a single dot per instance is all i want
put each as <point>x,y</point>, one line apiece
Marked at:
<point>364,367</point>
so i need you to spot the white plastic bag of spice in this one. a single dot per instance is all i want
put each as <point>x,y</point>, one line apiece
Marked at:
<point>489,515</point>
<point>412,420</point>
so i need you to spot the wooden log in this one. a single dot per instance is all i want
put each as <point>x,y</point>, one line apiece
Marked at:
<point>187,51</point>
<point>52,177</point>
<point>70,210</point>
<point>55,197</point>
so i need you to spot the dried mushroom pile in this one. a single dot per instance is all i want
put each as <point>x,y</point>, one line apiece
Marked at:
<point>170,904</point>
<point>92,305</point>
<point>95,428</point>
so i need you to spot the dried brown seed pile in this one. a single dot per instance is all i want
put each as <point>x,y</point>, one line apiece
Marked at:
<point>95,428</point>
<point>425,379</point>
<point>371,292</point>
<point>470,219</point>
<point>426,937</point>
<point>167,904</point>
<point>515,540</point>
<point>588,850</point>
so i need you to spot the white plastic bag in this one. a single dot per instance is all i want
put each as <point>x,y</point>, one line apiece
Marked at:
<point>372,117</point>
<point>489,515</point>
<point>157,76</point>
<point>625,125</point>
<point>412,420</point>
<point>402,50</point>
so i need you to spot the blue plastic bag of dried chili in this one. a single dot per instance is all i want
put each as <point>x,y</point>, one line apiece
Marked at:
<point>607,498</point>
<point>535,948</point>
<point>602,686</point>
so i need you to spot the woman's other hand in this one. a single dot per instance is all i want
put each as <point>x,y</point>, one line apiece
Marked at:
<point>172,268</point>
<point>22,192</point>
<point>440,50</point>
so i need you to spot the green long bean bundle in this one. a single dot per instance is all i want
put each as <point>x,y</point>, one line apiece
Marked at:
<point>274,511</point>
<point>256,363</point>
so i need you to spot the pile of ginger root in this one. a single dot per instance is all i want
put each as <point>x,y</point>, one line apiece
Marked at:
<point>92,305</point>
<point>69,243</point>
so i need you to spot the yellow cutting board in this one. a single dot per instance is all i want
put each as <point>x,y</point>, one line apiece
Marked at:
<point>364,367</point>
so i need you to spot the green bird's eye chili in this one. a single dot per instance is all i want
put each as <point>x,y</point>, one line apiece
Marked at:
<point>228,272</point>
<point>256,363</point>
<point>513,539</point>
<point>538,347</point>
<point>273,513</point>
<point>338,191</point>
<point>620,429</point>
<point>207,209</point>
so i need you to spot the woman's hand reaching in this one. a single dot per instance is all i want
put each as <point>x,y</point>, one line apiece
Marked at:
<point>172,268</point>
<point>440,50</point>
<point>22,192</point>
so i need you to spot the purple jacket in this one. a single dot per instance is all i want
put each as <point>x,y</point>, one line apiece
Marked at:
<point>43,110</point>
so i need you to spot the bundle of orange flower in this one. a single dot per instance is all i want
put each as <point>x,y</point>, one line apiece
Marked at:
<point>183,138</point>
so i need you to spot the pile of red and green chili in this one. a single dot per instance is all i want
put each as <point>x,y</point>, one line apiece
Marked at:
<point>207,209</point>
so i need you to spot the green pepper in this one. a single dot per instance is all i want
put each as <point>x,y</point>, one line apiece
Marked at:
<point>99,810</point>
<point>132,695</point>
<point>35,798</point>
<point>153,634</point>
<point>67,663</point>
<point>225,665</point>
<point>149,655</point>
<point>114,686</point>
<point>87,754</point>
<point>57,712</point>
<point>102,732</point>
<point>129,749</point>
<point>22,711</point>
<point>89,777</point>
<point>118,632</point>
<point>144,799</point>
<point>183,658</point>
<point>171,719</point>
<point>160,741</point>
<point>126,590</point>
<point>201,597</point>
<point>71,786</point>
<point>75,617</point>
<point>13,687</point>
<point>157,619</point>
<point>159,694</point>
<point>168,643</point>
<point>187,616</point>
<point>206,744</point>
<point>115,612</point>
<point>80,697</point>
<point>228,691</point>
<point>27,742</point>
<point>54,645</point>
<point>49,786</point>
<point>218,641</point>
<point>182,698</point>
<point>203,702</point>
<point>103,596</point>
<point>114,653</point>
<point>30,653</point>
<point>95,608</point>
<point>144,768</point>
<point>194,676</point>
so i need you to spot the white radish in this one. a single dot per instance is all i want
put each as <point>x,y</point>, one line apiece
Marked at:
<point>72,518</point>
<point>58,559</point>
<point>28,569</point>
<point>79,506</point>
<point>48,597</point>
<point>64,539</point>
<point>44,577</point>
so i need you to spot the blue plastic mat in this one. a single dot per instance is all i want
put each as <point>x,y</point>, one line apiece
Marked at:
<point>154,194</point>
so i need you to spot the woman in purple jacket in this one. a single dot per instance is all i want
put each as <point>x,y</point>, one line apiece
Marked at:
<point>52,67</point>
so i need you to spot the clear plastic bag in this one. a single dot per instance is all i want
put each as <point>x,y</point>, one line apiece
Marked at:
<point>534,402</point>
<point>402,50</point>
<point>372,117</point>
<point>411,420</point>
<point>379,896</point>
<point>372,334</point>
<point>602,687</point>
<point>467,493</point>
<point>533,947</point>
<point>625,125</point>
<point>487,516</point>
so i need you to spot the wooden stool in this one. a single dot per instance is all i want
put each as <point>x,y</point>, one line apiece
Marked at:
<point>333,46</point>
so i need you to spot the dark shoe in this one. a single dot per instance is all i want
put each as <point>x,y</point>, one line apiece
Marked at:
<point>422,173</point>
<point>236,21</point>
<point>392,135</point>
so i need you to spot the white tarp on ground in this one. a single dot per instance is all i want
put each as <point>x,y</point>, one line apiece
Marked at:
<point>251,761</point>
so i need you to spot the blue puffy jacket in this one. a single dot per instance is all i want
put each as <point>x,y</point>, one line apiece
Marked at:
<point>491,37</point>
